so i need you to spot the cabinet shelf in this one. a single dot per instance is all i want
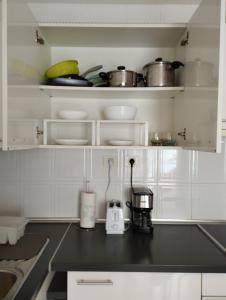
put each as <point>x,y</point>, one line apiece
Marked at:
<point>108,147</point>
<point>113,34</point>
<point>66,91</point>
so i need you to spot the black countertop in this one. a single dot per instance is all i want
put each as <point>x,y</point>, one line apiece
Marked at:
<point>55,232</point>
<point>218,231</point>
<point>173,248</point>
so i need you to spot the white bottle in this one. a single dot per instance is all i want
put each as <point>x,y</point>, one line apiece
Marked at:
<point>87,210</point>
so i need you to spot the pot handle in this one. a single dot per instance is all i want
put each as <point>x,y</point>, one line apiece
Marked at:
<point>177,64</point>
<point>129,204</point>
<point>158,59</point>
<point>140,77</point>
<point>121,68</point>
<point>104,75</point>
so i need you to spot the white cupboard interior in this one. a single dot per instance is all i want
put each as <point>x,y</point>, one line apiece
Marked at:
<point>111,33</point>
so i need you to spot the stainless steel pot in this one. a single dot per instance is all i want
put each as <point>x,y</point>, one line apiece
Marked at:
<point>160,73</point>
<point>121,77</point>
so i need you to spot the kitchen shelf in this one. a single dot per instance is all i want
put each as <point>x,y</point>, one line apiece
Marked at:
<point>139,131</point>
<point>47,123</point>
<point>66,91</point>
<point>111,25</point>
<point>110,147</point>
<point>113,34</point>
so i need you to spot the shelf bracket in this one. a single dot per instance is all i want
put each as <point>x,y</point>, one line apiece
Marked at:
<point>38,39</point>
<point>183,134</point>
<point>39,132</point>
<point>185,41</point>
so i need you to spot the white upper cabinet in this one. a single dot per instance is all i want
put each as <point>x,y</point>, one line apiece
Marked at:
<point>199,109</point>
<point>24,64</point>
<point>111,33</point>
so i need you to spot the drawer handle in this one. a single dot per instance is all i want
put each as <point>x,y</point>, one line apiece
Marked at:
<point>94,282</point>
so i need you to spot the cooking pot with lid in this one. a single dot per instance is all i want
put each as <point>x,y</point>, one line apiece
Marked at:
<point>160,73</point>
<point>121,77</point>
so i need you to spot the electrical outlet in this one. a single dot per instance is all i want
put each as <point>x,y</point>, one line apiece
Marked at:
<point>135,158</point>
<point>107,158</point>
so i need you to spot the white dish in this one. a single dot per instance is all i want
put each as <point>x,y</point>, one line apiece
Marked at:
<point>120,143</point>
<point>120,113</point>
<point>75,142</point>
<point>72,114</point>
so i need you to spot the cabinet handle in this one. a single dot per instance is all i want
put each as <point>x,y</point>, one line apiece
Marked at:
<point>94,282</point>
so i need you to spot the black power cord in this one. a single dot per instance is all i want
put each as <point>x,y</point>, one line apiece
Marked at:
<point>132,162</point>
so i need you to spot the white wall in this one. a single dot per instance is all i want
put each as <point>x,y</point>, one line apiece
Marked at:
<point>46,183</point>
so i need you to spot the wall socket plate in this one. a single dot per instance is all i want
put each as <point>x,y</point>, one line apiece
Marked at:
<point>129,157</point>
<point>114,160</point>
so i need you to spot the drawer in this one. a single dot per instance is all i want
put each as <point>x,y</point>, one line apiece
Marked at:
<point>213,298</point>
<point>133,286</point>
<point>214,285</point>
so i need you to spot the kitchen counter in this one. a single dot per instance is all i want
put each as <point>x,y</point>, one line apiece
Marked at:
<point>172,248</point>
<point>217,231</point>
<point>55,232</point>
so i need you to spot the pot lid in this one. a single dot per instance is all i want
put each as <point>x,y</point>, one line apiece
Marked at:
<point>121,69</point>
<point>158,61</point>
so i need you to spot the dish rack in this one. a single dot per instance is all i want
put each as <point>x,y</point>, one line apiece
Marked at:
<point>68,129</point>
<point>124,131</point>
<point>97,132</point>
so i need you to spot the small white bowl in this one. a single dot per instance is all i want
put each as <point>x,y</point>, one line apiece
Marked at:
<point>72,114</point>
<point>120,113</point>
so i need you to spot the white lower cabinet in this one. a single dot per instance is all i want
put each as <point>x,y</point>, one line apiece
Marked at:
<point>214,285</point>
<point>213,298</point>
<point>133,286</point>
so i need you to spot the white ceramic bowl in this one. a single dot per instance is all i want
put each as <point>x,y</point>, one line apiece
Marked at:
<point>120,113</point>
<point>72,114</point>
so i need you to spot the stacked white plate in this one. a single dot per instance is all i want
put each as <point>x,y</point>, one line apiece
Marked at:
<point>120,143</point>
<point>74,142</point>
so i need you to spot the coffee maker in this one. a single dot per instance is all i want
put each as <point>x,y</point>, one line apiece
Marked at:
<point>141,205</point>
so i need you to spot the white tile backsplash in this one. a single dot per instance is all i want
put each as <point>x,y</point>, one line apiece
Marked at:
<point>209,201</point>
<point>69,165</point>
<point>10,201</point>
<point>209,167</point>
<point>145,167</point>
<point>174,166</point>
<point>37,200</point>
<point>174,201</point>
<point>99,165</point>
<point>35,164</point>
<point>66,199</point>
<point>8,166</point>
<point>47,183</point>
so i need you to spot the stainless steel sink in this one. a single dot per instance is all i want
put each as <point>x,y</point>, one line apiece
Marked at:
<point>7,279</point>
<point>13,274</point>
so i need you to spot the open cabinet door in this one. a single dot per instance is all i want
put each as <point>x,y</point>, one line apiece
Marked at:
<point>23,67</point>
<point>3,76</point>
<point>199,108</point>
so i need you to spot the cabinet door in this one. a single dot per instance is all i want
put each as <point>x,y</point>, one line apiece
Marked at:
<point>224,100</point>
<point>213,284</point>
<point>213,298</point>
<point>3,66</point>
<point>133,286</point>
<point>199,108</point>
<point>23,68</point>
